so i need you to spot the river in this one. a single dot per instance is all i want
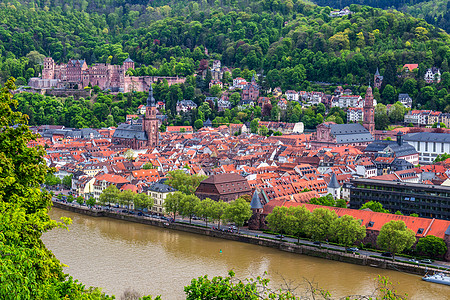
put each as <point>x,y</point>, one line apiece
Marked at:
<point>117,255</point>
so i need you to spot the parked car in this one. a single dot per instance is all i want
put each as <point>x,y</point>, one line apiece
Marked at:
<point>386,254</point>
<point>426,261</point>
<point>352,249</point>
<point>413,260</point>
<point>280,236</point>
<point>140,214</point>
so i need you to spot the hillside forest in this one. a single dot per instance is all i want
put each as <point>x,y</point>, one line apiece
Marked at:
<point>291,44</point>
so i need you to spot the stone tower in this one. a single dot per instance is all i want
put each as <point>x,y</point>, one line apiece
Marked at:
<point>128,64</point>
<point>48,72</point>
<point>369,111</point>
<point>377,79</point>
<point>150,123</point>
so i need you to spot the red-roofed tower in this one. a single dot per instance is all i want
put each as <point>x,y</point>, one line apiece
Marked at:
<point>369,111</point>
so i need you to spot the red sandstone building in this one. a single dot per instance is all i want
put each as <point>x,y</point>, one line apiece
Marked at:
<point>226,187</point>
<point>373,221</point>
<point>140,136</point>
<point>330,134</point>
<point>77,74</point>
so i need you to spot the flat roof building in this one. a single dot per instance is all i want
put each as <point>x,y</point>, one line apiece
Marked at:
<point>428,201</point>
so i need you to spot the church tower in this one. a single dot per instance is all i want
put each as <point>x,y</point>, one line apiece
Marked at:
<point>369,112</point>
<point>150,123</point>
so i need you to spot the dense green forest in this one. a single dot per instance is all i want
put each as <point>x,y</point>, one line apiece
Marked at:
<point>289,43</point>
<point>435,12</point>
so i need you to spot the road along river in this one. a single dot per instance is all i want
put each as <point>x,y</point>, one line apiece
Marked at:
<point>118,255</point>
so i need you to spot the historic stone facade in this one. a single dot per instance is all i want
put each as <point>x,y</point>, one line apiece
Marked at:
<point>77,74</point>
<point>369,112</point>
<point>140,136</point>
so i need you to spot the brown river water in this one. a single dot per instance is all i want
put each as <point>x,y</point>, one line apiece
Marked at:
<point>117,255</point>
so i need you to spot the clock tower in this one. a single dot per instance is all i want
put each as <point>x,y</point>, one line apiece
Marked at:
<point>150,123</point>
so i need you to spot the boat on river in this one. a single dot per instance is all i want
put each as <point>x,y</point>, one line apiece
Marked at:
<point>437,278</point>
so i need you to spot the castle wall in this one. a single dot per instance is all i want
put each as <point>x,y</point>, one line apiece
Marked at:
<point>103,75</point>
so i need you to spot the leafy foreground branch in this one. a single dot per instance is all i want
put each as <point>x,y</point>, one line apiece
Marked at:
<point>230,287</point>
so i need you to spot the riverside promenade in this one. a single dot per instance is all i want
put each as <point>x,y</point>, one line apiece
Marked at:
<point>325,251</point>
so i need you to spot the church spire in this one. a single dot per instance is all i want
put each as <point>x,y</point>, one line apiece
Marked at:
<point>151,99</point>
<point>377,73</point>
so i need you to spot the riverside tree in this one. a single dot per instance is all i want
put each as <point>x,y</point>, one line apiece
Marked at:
<point>188,206</point>
<point>172,204</point>
<point>298,217</point>
<point>220,207</point>
<point>238,212</point>
<point>127,197</point>
<point>319,223</point>
<point>346,230</point>
<point>395,237</point>
<point>278,219</point>
<point>432,246</point>
<point>109,195</point>
<point>143,201</point>
<point>205,209</point>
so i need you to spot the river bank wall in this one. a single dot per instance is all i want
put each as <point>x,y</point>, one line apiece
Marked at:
<point>260,241</point>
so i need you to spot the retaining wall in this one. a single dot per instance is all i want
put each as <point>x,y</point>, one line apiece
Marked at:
<point>280,245</point>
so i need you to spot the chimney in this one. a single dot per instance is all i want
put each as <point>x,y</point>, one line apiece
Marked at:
<point>400,138</point>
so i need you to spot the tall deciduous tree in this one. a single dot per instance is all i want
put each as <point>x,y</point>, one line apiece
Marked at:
<point>395,237</point>
<point>278,219</point>
<point>183,182</point>
<point>205,209</point>
<point>127,197</point>
<point>346,230</point>
<point>188,206</point>
<point>172,203</point>
<point>238,212</point>
<point>297,219</point>
<point>219,210</point>
<point>109,195</point>
<point>28,269</point>
<point>432,246</point>
<point>143,201</point>
<point>319,223</point>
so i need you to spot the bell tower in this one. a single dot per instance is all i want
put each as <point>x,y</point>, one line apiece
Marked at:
<point>369,112</point>
<point>150,123</point>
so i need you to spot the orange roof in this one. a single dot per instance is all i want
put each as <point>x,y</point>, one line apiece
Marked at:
<point>434,227</point>
<point>411,67</point>
<point>111,178</point>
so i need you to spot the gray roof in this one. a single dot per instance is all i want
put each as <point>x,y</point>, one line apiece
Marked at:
<point>150,99</point>
<point>403,150</point>
<point>350,133</point>
<point>187,103</point>
<point>128,60</point>
<point>256,202</point>
<point>334,184</point>
<point>127,131</point>
<point>161,188</point>
<point>207,123</point>
<point>427,137</point>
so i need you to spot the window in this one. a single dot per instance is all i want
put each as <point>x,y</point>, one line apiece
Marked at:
<point>420,231</point>
<point>370,224</point>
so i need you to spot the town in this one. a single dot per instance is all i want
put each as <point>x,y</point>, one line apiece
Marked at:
<point>406,170</point>
<point>274,149</point>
